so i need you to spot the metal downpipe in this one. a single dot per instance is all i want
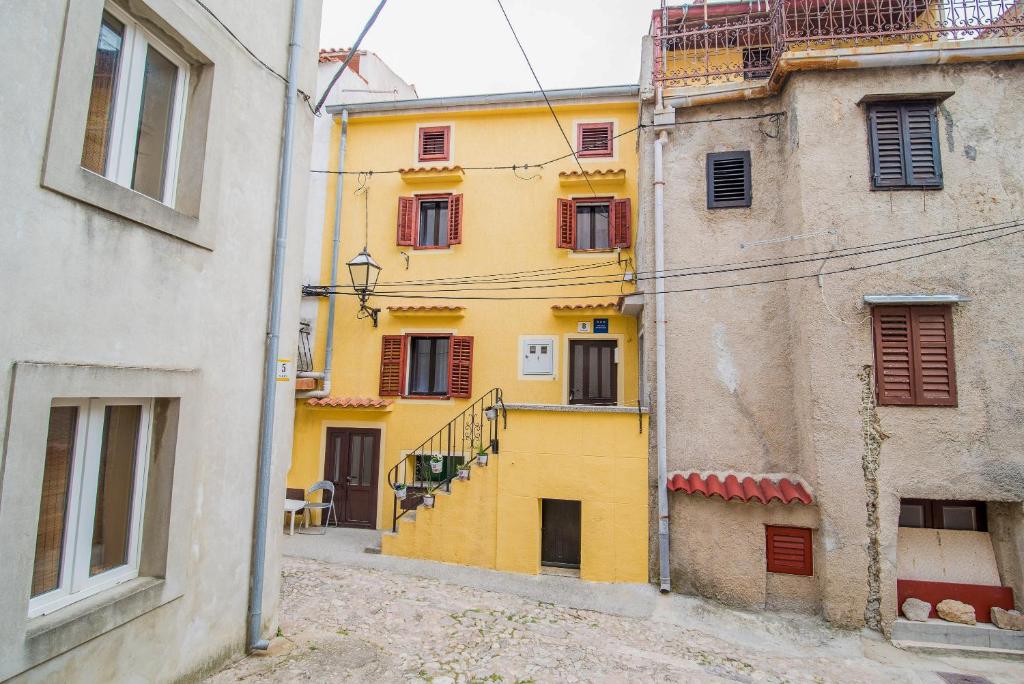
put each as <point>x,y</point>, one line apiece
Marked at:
<point>659,382</point>
<point>335,252</point>
<point>259,547</point>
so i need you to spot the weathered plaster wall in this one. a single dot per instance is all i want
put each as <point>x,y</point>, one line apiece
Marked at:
<point>779,376</point>
<point>82,286</point>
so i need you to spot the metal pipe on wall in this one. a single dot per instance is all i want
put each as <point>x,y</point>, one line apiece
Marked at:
<point>659,381</point>
<point>259,547</point>
<point>325,391</point>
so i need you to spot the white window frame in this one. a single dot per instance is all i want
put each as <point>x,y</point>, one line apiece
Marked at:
<point>127,105</point>
<point>76,552</point>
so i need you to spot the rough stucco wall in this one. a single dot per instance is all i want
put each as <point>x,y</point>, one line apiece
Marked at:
<point>780,375</point>
<point>1006,527</point>
<point>87,287</point>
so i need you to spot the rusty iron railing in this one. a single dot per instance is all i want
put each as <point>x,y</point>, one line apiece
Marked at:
<point>705,44</point>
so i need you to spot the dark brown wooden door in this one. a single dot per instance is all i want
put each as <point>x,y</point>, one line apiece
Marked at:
<point>560,533</point>
<point>593,373</point>
<point>352,463</point>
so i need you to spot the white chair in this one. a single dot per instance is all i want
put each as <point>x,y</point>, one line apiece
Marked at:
<point>327,504</point>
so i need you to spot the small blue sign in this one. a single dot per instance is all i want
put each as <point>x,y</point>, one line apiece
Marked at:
<point>600,325</point>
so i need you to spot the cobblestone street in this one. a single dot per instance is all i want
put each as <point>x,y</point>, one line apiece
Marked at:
<point>350,621</point>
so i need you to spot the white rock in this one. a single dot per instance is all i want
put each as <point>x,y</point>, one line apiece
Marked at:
<point>1008,619</point>
<point>955,611</point>
<point>916,609</point>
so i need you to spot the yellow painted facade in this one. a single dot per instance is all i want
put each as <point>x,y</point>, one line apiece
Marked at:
<point>509,225</point>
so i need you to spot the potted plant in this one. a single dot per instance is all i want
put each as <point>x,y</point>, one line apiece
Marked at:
<point>481,456</point>
<point>491,412</point>
<point>464,472</point>
<point>401,489</point>
<point>428,500</point>
<point>436,463</point>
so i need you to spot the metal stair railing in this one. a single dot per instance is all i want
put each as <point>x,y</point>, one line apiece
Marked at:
<point>459,443</point>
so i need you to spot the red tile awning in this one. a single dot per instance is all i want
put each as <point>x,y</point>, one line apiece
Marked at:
<point>743,487</point>
<point>350,402</point>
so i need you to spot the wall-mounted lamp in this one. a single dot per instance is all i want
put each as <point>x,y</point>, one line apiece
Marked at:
<point>364,271</point>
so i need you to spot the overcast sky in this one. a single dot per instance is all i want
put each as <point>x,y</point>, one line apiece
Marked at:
<point>462,47</point>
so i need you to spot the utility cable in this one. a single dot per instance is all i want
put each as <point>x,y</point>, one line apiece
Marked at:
<point>348,58</point>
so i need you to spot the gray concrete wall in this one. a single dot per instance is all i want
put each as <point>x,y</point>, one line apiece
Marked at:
<point>182,301</point>
<point>777,377</point>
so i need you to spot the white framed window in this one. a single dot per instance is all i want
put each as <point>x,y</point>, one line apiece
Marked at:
<point>136,107</point>
<point>92,498</point>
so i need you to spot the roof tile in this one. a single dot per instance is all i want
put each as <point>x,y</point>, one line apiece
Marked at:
<point>742,486</point>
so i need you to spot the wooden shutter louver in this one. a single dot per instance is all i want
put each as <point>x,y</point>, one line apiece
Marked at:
<point>904,140</point>
<point>922,138</point>
<point>407,220</point>
<point>620,226</point>
<point>728,179</point>
<point>434,143</point>
<point>887,147</point>
<point>594,140</point>
<point>392,365</point>
<point>893,355</point>
<point>788,550</point>
<point>460,373</point>
<point>934,370</point>
<point>566,229</point>
<point>455,219</point>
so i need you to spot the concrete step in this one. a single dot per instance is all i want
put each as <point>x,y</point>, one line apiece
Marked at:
<point>935,635</point>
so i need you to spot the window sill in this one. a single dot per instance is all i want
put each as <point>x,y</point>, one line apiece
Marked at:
<point>576,408</point>
<point>903,188</point>
<point>425,397</point>
<point>438,248</point>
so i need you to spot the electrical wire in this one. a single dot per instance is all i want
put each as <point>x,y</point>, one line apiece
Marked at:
<point>708,288</point>
<point>352,51</point>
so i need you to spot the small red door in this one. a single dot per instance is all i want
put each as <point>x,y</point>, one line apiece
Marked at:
<point>352,462</point>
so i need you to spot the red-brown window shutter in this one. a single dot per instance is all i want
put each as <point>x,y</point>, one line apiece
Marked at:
<point>435,143</point>
<point>934,370</point>
<point>566,233</point>
<point>460,369</point>
<point>894,363</point>
<point>789,550</point>
<point>594,140</point>
<point>455,219</point>
<point>392,365</point>
<point>620,226</point>
<point>407,220</point>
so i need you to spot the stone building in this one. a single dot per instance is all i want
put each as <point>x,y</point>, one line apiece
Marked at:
<point>828,447</point>
<point>142,149</point>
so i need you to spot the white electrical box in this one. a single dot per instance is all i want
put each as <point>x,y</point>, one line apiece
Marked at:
<point>538,356</point>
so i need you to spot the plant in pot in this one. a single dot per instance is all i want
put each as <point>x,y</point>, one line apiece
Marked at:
<point>428,499</point>
<point>401,489</point>
<point>464,471</point>
<point>481,456</point>
<point>436,463</point>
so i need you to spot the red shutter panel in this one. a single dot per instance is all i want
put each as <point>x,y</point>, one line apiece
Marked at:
<point>594,140</point>
<point>566,236</point>
<point>455,219</point>
<point>934,366</point>
<point>620,226</point>
<point>435,143</point>
<point>789,550</point>
<point>392,365</point>
<point>460,373</point>
<point>894,363</point>
<point>407,220</point>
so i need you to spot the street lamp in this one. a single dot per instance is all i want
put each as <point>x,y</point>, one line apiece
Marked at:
<point>364,271</point>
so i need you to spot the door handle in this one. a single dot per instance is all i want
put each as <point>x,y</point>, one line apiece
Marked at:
<point>351,478</point>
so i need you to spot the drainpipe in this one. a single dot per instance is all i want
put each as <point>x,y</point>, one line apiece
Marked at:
<point>335,251</point>
<point>659,382</point>
<point>259,545</point>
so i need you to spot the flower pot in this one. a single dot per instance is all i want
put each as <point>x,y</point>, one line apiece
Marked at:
<point>463,473</point>
<point>491,412</point>
<point>400,492</point>
<point>428,500</point>
<point>482,458</point>
<point>436,466</point>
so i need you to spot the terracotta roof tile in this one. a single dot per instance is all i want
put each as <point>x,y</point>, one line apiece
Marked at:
<point>350,402</point>
<point>742,486</point>
<point>426,307</point>
<point>434,169</point>
<point>596,173</point>
<point>584,307</point>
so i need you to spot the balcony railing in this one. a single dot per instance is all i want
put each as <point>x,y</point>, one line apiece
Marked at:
<point>711,42</point>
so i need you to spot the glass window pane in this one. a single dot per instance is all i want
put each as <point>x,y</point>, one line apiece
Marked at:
<point>441,365</point>
<point>959,518</point>
<point>355,447</point>
<point>911,515</point>
<point>153,143</point>
<point>600,226</point>
<point>53,504</point>
<point>419,376</point>
<point>367,468</point>
<point>101,100</point>
<point>584,215</point>
<point>112,523</point>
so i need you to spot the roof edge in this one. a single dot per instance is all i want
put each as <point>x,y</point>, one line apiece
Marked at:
<point>523,97</point>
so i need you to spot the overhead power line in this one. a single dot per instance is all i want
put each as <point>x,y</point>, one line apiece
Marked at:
<point>348,58</point>
<point>610,295</point>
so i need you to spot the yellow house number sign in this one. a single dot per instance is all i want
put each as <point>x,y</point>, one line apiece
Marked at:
<point>284,370</point>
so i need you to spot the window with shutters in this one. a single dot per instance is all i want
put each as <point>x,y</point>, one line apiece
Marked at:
<point>594,224</point>
<point>914,362</point>
<point>430,221</point>
<point>904,142</point>
<point>434,143</point>
<point>728,179</point>
<point>594,139</point>
<point>944,514</point>
<point>789,550</point>
<point>426,366</point>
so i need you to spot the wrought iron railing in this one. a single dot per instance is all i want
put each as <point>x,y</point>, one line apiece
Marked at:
<point>305,357</point>
<point>711,42</point>
<point>459,443</point>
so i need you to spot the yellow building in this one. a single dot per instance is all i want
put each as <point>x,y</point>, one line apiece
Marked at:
<point>544,383</point>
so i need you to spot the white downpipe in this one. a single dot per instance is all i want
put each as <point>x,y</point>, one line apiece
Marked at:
<point>659,381</point>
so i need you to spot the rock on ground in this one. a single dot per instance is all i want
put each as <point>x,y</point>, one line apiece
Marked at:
<point>1008,619</point>
<point>955,611</point>
<point>916,610</point>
